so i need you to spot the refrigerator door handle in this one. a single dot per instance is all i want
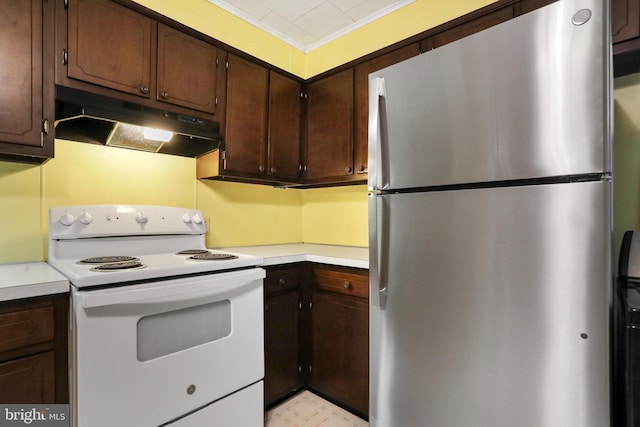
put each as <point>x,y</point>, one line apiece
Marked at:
<point>378,249</point>
<point>377,162</point>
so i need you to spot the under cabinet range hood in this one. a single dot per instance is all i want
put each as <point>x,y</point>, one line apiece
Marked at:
<point>96,119</point>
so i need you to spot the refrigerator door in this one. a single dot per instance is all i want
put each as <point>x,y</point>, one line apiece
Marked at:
<point>490,307</point>
<point>528,98</point>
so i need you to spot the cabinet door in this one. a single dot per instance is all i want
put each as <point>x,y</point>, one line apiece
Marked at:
<point>28,380</point>
<point>329,145</point>
<point>109,45</point>
<point>625,20</point>
<point>246,118</point>
<point>282,373</point>
<point>285,109</point>
<point>339,348</point>
<point>186,70</point>
<point>26,97</point>
<point>362,72</point>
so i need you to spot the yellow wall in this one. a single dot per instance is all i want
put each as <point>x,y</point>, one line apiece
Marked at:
<point>221,25</point>
<point>335,215</point>
<point>245,214</point>
<point>238,214</point>
<point>20,207</point>
<point>627,156</point>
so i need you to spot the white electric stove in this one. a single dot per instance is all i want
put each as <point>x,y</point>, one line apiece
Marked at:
<point>163,330</point>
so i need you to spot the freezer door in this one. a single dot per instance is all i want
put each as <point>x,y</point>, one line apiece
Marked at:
<point>490,307</point>
<point>528,98</point>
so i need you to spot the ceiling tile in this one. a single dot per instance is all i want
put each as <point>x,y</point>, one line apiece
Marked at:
<point>324,20</point>
<point>292,9</point>
<point>308,24</point>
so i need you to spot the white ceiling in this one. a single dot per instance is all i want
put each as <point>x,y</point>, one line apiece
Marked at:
<point>308,24</point>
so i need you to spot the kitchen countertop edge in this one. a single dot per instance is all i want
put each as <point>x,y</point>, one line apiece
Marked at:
<point>29,280</point>
<point>287,253</point>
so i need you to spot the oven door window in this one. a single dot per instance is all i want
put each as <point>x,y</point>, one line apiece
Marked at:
<point>170,332</point>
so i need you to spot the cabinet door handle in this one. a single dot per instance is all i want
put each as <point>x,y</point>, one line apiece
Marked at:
<point>273,170</point>
<point>346,284</point>
<point>144,89</point>
<point>282,281</point>
<point>164,94</point>
<point>261,168</point>
<point>347,169</point>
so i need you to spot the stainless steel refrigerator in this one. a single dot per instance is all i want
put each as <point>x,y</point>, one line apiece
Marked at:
<point>490,217</point>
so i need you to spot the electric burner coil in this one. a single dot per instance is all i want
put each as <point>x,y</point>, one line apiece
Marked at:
<point>192,252</point>
<point>212,257</point>
<point>119,266</point>
<point>107,259</point>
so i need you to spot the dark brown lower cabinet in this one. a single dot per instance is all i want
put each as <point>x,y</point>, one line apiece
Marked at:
<point>28,379</point>
<point>339,342</point>
<point>340,349</point>
<point>282,334</point>
<point>33,350</point>
<point>317,333</point>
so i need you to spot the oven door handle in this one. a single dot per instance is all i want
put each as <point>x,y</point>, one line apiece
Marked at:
<point>179,290</point>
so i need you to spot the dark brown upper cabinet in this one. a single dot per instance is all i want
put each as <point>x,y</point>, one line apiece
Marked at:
<point>186,70</point>
<point>110,45</point>
<point>625,20</point>
<point>116,51</point>
<point>285,114</point>
<point>27,95</point>
<point>246,119</point>
<point>329,124</point>
<point>261,128</point>
<point>362,72</point>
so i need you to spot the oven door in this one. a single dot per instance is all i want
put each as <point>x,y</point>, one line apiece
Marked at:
<point>147,354</point>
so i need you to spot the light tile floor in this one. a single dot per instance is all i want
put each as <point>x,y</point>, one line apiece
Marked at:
<point>308,410</point>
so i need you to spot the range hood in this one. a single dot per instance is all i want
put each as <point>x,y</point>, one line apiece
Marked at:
<point>96,119</point>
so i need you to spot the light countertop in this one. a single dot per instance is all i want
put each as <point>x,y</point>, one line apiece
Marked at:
<point>348,256</point>
<point>30,279</point>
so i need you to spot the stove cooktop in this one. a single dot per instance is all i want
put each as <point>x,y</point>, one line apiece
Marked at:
<point>112,244</point>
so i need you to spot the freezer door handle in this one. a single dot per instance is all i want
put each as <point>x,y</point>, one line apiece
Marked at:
<point>377,134</point>
<point>378,248</point>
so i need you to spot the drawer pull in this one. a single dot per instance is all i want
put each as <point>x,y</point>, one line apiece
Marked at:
<point>282,281</point>
<point>346,285</point>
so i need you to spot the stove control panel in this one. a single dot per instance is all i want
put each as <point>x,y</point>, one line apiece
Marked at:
<point>73,222</point>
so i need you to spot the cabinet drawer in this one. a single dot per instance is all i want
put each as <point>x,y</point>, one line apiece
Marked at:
<point>344,281</point>
<point>28,380</point>
<point>25,327</point>
<point>281,280</point>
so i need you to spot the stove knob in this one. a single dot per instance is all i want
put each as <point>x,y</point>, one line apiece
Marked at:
<point>85,218</point>
<point>197,219</point>
<point>67,219</point>
<point>186,218</point>
<point>141,217</point>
